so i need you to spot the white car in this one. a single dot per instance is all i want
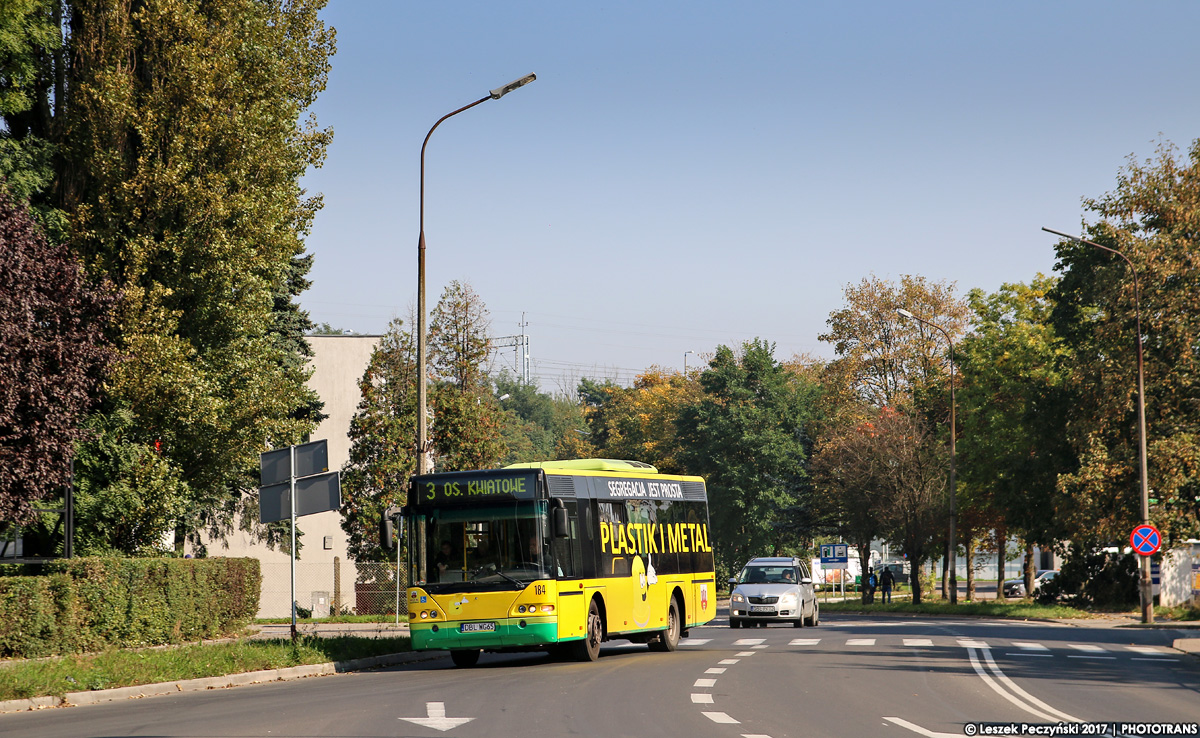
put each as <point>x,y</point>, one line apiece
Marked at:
<point>773,590</point>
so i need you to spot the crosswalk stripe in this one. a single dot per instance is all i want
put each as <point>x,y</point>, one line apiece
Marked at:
<point>918,642</point>
<point>1027,646</point>
<point>860,642</point>
<point>968,643</point>
<point>804,641</point>
<point>720,717</point>
<point>745,653</point>
<point>748,641</point>
<point>694,641</point>
<point>1147,649</point>
<point>728,662</point>
<point>1086,647</point>
<point>702,698</point>
<point>715,670</point>
<point>701,683</point>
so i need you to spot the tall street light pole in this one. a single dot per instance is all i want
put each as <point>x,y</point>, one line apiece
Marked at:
<point>952,554</point>
<point>685,355</point>
<point>1145,588</point>
<point>422,373</point>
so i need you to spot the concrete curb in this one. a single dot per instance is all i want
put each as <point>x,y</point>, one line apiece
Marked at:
<point>1187,645</point>
<point>75,699</point>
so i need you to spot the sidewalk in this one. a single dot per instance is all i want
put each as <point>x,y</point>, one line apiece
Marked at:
<point>331,630</point>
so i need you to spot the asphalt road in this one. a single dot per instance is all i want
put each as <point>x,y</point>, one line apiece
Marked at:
<point>851,676</point>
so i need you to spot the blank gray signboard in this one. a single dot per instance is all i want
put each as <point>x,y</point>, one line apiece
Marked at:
<point>313,495</point>
<point>276,466</point>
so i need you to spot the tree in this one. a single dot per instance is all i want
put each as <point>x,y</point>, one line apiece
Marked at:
<point>466,417</point>
<point>748,435</point>
<point>1150,218</point>
<point>887,476</point>
<point>882,358</point>
<point>534,423</point>
<point>52,356</point>
<point>640,422</point>
<point>383,443</point>
<point>1015,400</point>
<point>173,133</point>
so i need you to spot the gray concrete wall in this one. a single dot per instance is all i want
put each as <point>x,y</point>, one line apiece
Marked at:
<point>338,363</point>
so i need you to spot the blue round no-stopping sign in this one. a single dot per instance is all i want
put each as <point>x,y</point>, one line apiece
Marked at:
<point>1145,540</point>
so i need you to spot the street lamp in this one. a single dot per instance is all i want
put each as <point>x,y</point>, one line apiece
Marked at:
<point>685,355</point>
<point>1147,593</point>
<point>422,411</point>
<point>952,556</point>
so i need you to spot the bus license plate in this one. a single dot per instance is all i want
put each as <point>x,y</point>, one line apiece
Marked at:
<point>761,608</point>
<point>477,628</point>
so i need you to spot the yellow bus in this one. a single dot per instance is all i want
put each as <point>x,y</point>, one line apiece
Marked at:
<point>556,554</point>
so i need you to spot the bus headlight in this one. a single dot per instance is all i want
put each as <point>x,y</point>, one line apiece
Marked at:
<point>424,614</point>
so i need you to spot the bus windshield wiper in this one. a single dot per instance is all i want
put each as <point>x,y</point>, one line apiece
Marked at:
<point>514,580</point>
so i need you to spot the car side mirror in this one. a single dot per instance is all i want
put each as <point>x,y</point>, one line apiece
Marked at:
<point>732,584</point>
<point>806,580</point>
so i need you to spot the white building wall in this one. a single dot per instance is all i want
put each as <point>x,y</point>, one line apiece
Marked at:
<point>338,364</point>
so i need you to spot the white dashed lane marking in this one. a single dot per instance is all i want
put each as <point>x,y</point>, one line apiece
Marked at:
<point>728,662</point>
<point>720,717</point>
<point>715,670</point>
<point>702,698</point>
<point>705,683</point>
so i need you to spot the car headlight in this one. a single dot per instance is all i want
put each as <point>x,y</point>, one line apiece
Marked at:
<point>787,600</point>
<point>737,597</point>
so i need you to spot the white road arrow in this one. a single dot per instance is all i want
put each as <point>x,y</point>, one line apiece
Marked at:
<point>437,718</point>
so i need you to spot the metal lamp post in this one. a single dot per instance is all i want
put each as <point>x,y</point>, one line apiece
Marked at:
<point>953,552</point>
<point>685,355</point>
<point>422,412</point>
<point>1145,588</point>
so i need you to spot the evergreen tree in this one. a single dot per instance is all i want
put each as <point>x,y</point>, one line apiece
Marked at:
<point>383,443</point>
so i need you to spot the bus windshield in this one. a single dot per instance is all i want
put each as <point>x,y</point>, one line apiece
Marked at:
<point>489,547</point>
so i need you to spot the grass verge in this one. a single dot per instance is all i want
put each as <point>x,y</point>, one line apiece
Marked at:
<point>125,668</point>
<point>986,608</point>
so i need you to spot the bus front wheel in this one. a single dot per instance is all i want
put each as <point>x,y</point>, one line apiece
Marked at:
<point>668,640</point>
<point>465,658</point>
<point>588,649</point>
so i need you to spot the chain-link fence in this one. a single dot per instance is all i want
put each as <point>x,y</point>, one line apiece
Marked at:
<point>330,588</point>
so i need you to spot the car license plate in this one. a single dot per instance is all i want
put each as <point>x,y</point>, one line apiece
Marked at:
<point>477,628</point>
<point>761,608</point>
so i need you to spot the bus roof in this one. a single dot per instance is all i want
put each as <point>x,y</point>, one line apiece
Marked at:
<point>610,465</point>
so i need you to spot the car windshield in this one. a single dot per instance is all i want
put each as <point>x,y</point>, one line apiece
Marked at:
<point>768,575</point>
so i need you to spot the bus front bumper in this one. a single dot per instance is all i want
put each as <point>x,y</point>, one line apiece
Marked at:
<point>509,633</point>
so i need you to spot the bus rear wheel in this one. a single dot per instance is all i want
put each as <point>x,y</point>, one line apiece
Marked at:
<point>668,640</point>
<point>588,649</point>
<point>466,658</point>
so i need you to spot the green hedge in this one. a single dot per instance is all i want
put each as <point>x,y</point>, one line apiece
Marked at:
<point>89,604</point>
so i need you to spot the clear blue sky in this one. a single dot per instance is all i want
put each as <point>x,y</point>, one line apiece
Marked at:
<point>683,175</point>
